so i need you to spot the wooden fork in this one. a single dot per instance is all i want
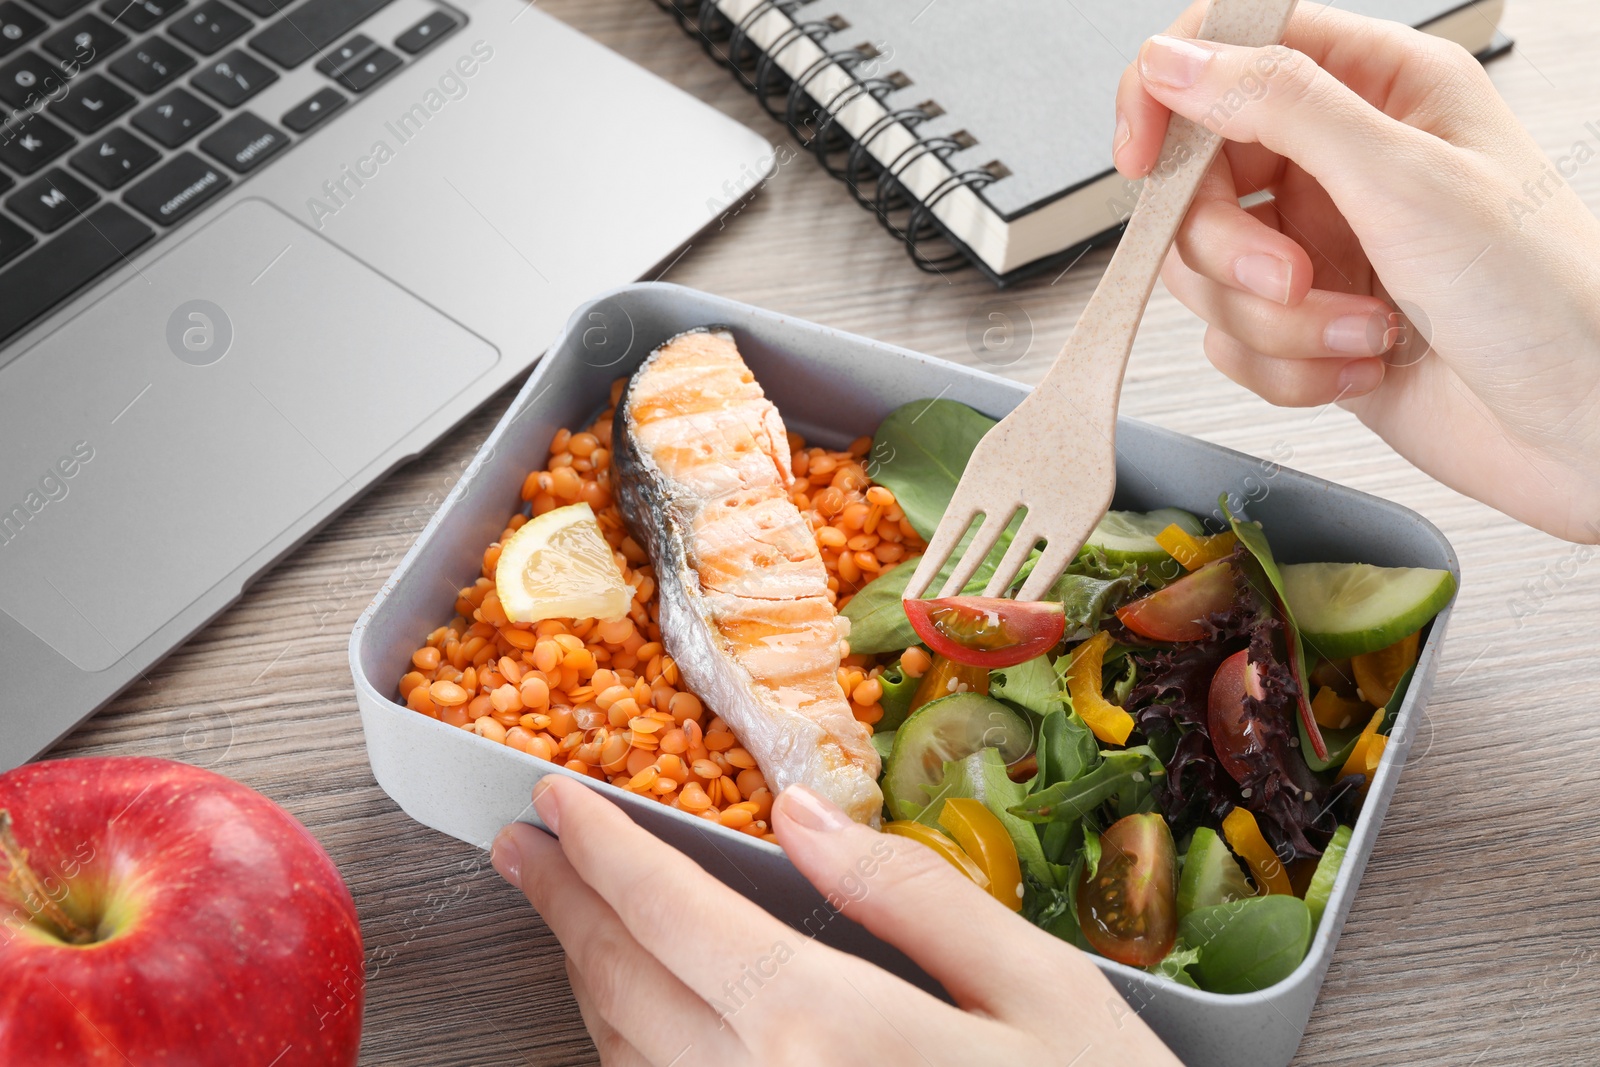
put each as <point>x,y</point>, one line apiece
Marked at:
<point>1055,454</point>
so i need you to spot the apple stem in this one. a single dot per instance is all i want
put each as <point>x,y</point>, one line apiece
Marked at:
<point>33,889</point>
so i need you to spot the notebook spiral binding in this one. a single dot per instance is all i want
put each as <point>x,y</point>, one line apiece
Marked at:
<point>874,185</point>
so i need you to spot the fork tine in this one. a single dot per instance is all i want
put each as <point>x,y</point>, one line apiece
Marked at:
<point>1057,554</point>
<point>976,552</point>
<point>1016,554</point>
<point>954,523</point>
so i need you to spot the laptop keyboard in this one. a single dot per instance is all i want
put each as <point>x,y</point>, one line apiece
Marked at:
<point>118,122</point>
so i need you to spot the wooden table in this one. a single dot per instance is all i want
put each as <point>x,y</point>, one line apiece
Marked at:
<point>1475,938</point>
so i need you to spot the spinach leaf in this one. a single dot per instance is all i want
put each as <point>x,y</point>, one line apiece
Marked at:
<point>919,452</point>
<point>1119,772</point>
<point>982,777</point>
<point>1175,965</point>
<point>878,620</point>
<point>1247,945</point>
<point>1087,600</point>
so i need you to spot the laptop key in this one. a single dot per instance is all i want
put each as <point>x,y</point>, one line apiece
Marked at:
<point>346,54</point>
<point>244,142</point>
<point>140,15</point>
<point>66,263</point>
<point>151,64</point>
<point>30,76</point>
<point>84,41</point>
<point>209,27</point>
<point>425,33</point>
<point>177,188</point>
<point>112,158</point>
<point>94,101</point>
<point>313,109</point>
<point>32,143</point>
<point>369,71</point>
<point>59,9</point>
<point>6,181</point>
<point>18,25</point>
<point>233,78</point>
<point>51,201</point>
<point>264,8</point>
<point>175,117</point>
<point>14,241</point>
<point>311,27</point>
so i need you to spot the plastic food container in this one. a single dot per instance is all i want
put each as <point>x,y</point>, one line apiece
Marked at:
<point>832,387</point>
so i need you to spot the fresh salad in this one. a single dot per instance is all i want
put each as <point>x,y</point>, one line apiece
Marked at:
<point>1162,761</point>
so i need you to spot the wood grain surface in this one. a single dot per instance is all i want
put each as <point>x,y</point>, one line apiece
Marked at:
<point>1475,937</point>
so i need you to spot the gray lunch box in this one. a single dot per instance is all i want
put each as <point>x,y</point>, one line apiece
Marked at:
<point>832,387</point>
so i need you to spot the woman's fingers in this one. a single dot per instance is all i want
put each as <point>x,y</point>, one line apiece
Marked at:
<point>1221,241</point>
<point>699,929</point>
<point>1292,382</point>
<point>1408,75</point>
<point>1283,100</point>
<point>614,1049</point>
<point>642,1000</point>
<point>1323,325</point>
<point>908,896</point>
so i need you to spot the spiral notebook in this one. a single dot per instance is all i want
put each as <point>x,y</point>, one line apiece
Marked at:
<point>978,131</point>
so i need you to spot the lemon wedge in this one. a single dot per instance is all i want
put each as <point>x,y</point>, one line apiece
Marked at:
<point>558,566</point>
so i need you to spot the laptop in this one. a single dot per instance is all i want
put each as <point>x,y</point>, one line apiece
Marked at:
<point>254,254</point>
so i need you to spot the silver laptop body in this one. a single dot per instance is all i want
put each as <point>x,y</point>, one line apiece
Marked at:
<point>296,326</point>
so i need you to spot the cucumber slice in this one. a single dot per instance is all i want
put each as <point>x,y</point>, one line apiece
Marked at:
<point>1321,887</point>
<point>1211,874</point>
<point>950,728</point>
<point>1130,536</point>
<point>1349,609</point>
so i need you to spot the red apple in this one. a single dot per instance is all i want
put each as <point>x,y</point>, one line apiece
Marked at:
<point>159,913</point>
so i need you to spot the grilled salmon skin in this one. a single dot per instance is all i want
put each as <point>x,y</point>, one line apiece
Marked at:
<point>702,463</point>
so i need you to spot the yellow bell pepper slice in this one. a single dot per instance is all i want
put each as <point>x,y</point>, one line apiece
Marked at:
<point>983,837</point>
<point>1357,762</point>
<point>1377,673</point>
<point>1243,834</point>
<point>1109,722</point>
<point>940,844</point>
<point>1335,712</point>
<point>1195,552</point>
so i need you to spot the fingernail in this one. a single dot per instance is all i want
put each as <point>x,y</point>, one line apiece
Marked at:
<point>545,803</point>
<point>812,811</point>
<point>1172,61</point>
<point>1360,377</point>
<point>1123,135</point>
<point>506,858</point>
<point>1359,335</point>
<point>1264,275</point>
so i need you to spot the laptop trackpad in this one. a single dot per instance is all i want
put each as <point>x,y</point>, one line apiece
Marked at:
<point>161,439</point>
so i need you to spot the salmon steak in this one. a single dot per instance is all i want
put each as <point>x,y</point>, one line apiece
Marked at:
<point>703,468</point>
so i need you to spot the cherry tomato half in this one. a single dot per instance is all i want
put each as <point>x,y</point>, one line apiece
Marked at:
<point>986,631</point>
<point>1129,909</point>
<point>1177,612</point>
<point>1233,734</point>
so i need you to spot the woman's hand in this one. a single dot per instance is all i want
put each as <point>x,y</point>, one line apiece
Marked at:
<point>669,966</point>
<point>1420,261</point>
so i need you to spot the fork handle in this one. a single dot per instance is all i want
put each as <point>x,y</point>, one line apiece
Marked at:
<point>1092,366</point>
